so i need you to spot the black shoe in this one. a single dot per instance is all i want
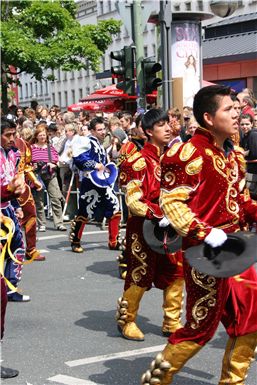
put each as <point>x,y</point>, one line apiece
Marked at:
<point>8,373</point>
<point>17,297</point>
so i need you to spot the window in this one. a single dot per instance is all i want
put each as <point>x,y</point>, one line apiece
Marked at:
<point>154,49</point>
<point>26,90</point>
<point>87,73</point>
<point>53,98</point>
<point>200,5</point>
<point>64,75</point>
<point>59,75</point>
<point>66,98</point>
<point>188,6</point>
<point>80,93</point>
<point>41,87</point>
<point>109,6</point>
<point>87,90</point>
<point>72,75</point>
<point>101,7</point>
<point>145,51</point>
<point>60,99</point>
<point>177,8</point>
<point>73,96</point>
<point>46,87</point>
<point>103,62</point>
<point>81,73</point>
<point>21,92</point>
<point>35,88</point>
<point>31,89</point>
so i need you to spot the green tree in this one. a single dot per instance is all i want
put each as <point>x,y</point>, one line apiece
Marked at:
<point>38,35</point>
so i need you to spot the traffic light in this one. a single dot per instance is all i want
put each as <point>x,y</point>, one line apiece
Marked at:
<point>150,81</point>
<point>125,72</point>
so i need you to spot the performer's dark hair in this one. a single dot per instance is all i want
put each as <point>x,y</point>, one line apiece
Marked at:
<point>95,121</point>
<point>151,117</point>
<point>5,124</point>
<point>207,100</point>
<point>234,97</point>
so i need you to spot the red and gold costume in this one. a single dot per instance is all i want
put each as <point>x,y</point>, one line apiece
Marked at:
<point>26,200</point>
<point>203,187</point>
<point>140,173</point>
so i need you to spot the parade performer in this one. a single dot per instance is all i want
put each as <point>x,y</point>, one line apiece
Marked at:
<point>12,186</point>
<point>141,176</point>
<point>203,197</point>
<point>26,200</point>
<point>4,235</point>
<point>96,200</point>
<point>136,143</point>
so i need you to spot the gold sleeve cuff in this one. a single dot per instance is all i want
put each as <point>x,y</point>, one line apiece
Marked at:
<point>176,210</point>
<point>133,196</point>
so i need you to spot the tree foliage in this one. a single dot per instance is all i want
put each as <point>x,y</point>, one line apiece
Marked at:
<point>38,35</point>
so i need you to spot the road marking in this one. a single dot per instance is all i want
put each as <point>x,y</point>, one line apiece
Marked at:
<point>42,251</point>
<point>108,357</point>
<point>67,380</point>
<point>66,235</point>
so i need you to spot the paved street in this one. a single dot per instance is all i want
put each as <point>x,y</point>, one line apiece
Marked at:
<point>67,333</point>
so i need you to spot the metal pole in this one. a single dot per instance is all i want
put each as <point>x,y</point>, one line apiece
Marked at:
<point>165,18</point>
<point>138,39</point>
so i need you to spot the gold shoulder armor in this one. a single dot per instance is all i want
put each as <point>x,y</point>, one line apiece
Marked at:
<point>139,165</point>
<point>187,151</point>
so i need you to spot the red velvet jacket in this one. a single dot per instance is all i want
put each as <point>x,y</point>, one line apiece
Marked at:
<point>140,174</point>
<point>202,187</point>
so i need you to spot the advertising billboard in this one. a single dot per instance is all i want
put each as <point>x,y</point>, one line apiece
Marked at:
<point>186,57</point>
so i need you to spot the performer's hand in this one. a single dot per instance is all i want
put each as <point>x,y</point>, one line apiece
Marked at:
<point>164,222</point>
<point>100,166</point>
<point>39,186</point>
<point>17,185</point>
<point>19,213</point>
<point>216,237</point>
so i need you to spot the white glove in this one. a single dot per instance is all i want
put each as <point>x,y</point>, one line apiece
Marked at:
<point>216,237</point>
<point>164,222</point>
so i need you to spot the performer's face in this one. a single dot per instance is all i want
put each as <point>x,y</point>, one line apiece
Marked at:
<point>160,134</point>
<point>8,138</point>
<point>99,132</point>
<point>224,122</point>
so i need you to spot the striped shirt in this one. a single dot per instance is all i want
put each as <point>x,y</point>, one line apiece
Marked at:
<point>41,154</point>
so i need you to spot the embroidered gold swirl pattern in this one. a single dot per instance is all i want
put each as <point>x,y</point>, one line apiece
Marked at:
<point>186,152</point>
<point>218,163</point>
<point>170,178</point>
<point>231,204</point>
<point>141,257</point>
<point>201,308</point>
<point>157,172</point>
<point>123,177</point>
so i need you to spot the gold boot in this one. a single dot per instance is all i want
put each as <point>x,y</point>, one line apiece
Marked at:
<point>172,307</point>
<point>169,362</point>
<point>238,356</point>
<point>127,312</point>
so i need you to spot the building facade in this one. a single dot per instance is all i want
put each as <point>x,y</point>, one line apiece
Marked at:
<point>69,87</point>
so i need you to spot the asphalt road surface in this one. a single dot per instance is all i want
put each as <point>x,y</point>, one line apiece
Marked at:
<point>67,333</point>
